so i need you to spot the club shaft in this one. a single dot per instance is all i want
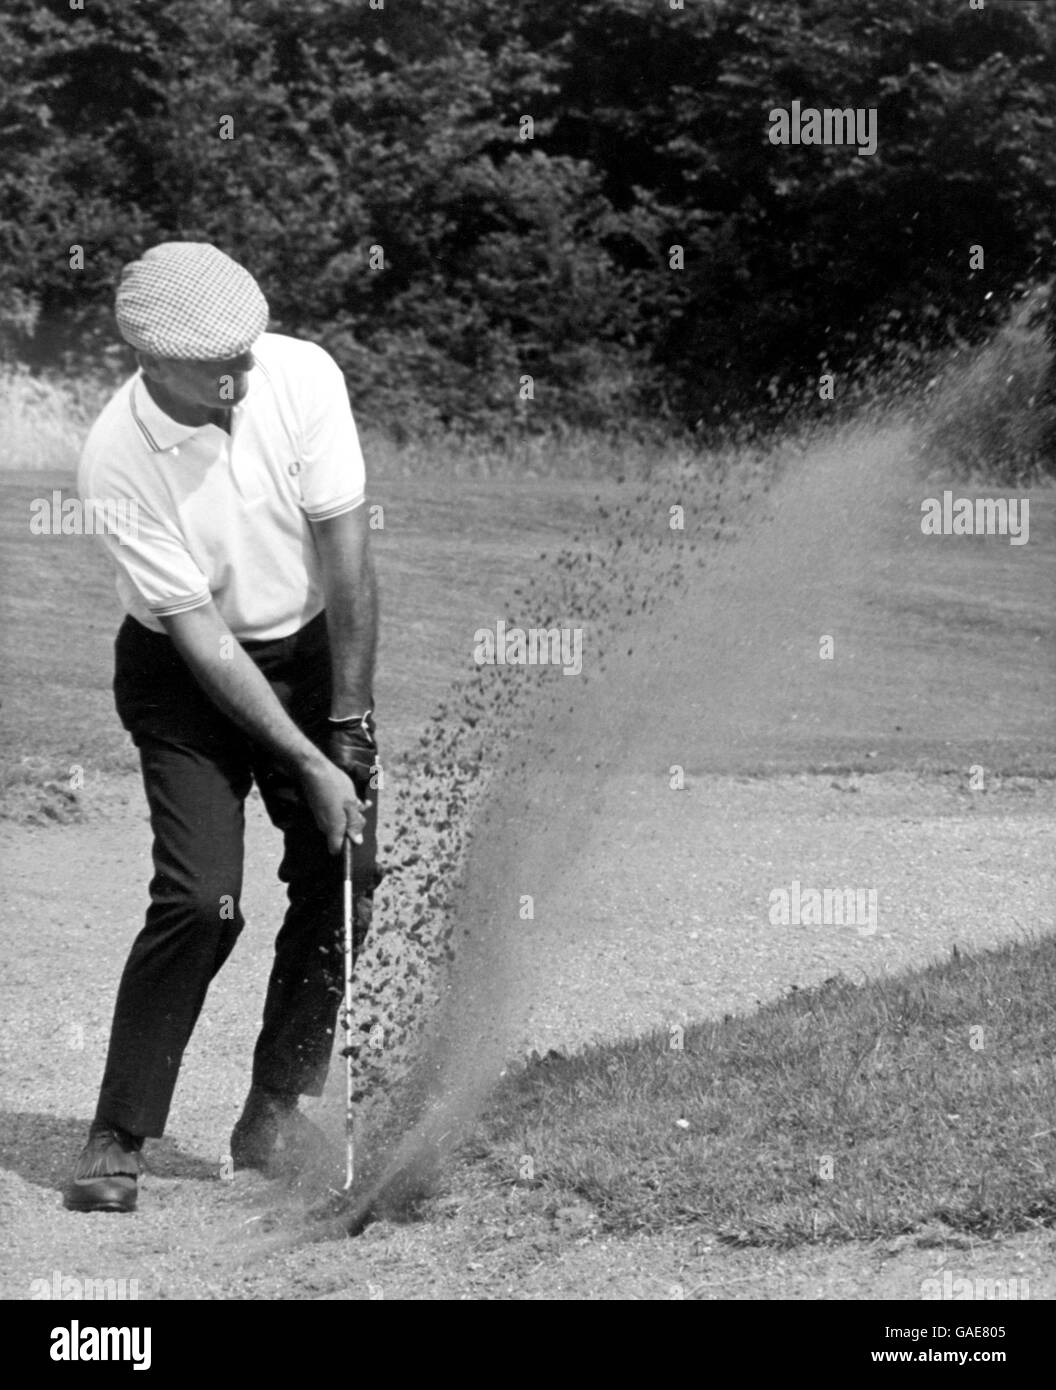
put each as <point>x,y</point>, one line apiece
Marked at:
<point>349,943</point>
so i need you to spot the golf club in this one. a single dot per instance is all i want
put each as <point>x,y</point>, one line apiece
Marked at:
<point>349,1118</point>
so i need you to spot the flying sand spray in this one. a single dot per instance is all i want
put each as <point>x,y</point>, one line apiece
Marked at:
<point>708,672</point>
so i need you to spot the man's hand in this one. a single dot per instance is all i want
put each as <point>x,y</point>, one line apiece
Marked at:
<point>333,802</point>
<point>238,688</point>
<point>354,748</point>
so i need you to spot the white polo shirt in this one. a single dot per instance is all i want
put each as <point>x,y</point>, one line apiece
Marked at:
<point>211,515</point>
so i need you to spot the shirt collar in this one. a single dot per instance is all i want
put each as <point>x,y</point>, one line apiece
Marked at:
<point>160,431</point>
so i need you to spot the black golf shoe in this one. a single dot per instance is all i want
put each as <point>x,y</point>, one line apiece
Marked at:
<point>106,1177</point>
<point>273,1136</point>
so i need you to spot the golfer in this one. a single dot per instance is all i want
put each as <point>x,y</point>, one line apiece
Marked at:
<point>246,655</point>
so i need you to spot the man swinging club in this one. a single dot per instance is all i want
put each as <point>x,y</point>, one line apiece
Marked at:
<point>247,655</point>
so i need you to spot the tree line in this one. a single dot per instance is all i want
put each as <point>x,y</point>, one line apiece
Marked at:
<point>526,214</point>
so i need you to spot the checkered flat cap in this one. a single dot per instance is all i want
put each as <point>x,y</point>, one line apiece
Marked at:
<point>187,300</point>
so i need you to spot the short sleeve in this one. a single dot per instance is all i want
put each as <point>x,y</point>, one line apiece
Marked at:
<point>333,476</point>
<point>152,558</point>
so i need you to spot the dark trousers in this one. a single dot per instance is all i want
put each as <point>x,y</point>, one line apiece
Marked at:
<point>198,768</point>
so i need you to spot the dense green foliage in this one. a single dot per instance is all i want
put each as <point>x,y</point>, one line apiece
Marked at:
<point>401,128</point>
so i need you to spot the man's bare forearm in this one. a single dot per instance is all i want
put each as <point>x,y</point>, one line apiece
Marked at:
<point>236,686</point>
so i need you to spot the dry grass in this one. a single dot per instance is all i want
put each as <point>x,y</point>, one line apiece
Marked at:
<point>575,455</point>
<point>987,416</point>
<point>43,419</point>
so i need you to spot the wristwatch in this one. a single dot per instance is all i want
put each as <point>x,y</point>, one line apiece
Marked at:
<point>353,720</point>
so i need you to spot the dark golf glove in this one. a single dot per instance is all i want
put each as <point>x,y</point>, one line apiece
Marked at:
<point>353,747</point>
